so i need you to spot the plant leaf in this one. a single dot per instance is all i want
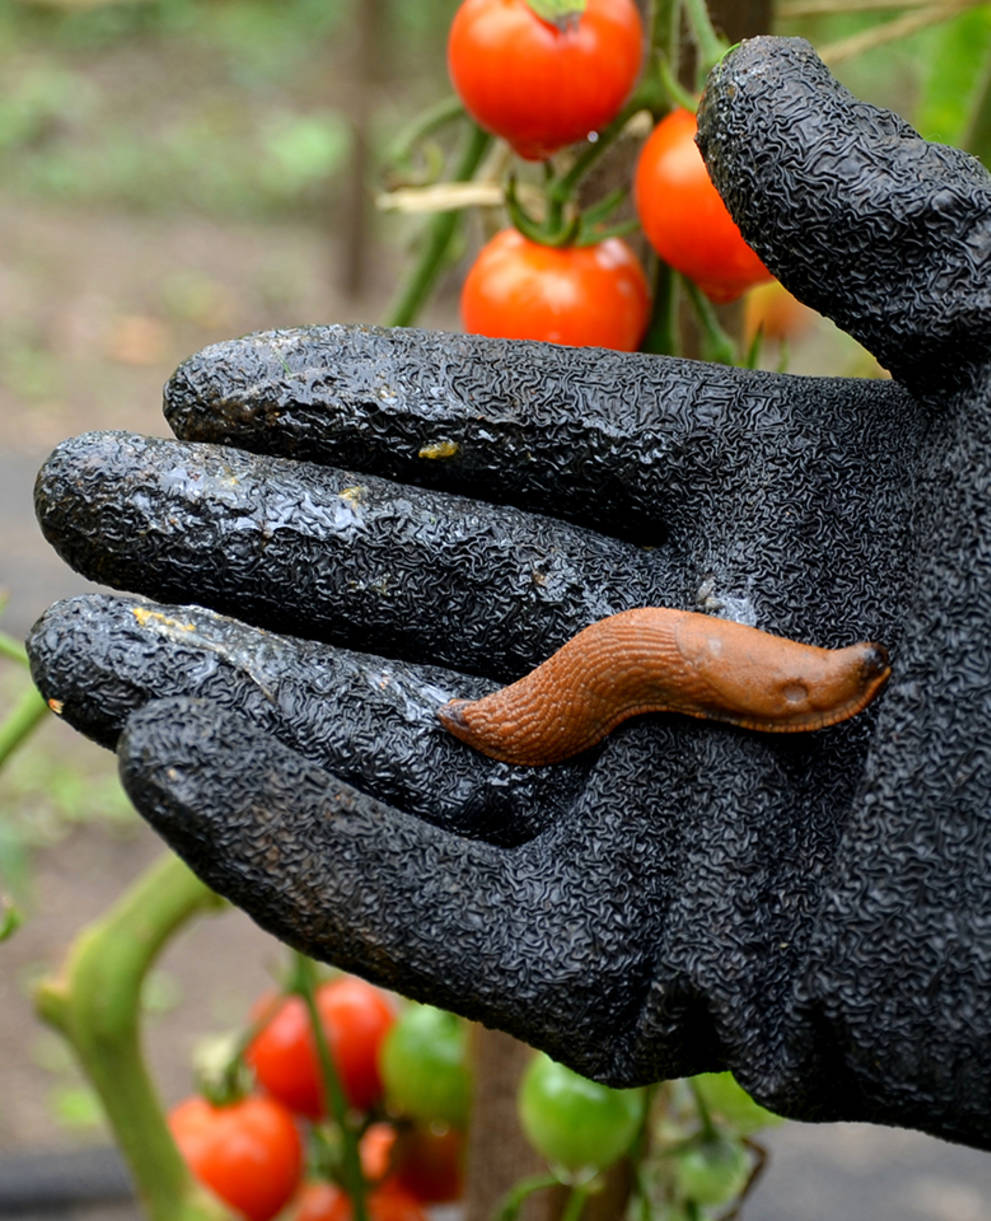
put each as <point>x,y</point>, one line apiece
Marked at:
<point>565,14</point>
<point>955,75</point>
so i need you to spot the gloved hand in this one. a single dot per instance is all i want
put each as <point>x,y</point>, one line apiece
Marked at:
<point>810,910</point>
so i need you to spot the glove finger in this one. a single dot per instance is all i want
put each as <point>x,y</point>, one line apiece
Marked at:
<point>346,878</point>
<point>328,554</point>
<point>372,722</point>
<point>637,446</point>
<point>859,216</point>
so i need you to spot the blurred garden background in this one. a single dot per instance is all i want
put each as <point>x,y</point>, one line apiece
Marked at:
<point>175,172</point>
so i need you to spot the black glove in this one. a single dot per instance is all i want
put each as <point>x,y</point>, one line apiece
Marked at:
<point>810,910</point>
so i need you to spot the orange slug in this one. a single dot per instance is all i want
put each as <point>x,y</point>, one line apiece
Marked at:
<point>655,659</point>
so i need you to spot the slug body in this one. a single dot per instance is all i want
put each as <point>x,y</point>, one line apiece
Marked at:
<point>655,659</point>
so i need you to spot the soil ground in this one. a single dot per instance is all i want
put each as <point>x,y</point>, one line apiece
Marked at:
<point>84,294</point>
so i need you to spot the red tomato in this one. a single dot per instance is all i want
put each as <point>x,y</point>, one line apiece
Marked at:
<point>355,1016</point>
<point>684,217</point>
<point>376,1148</point>
<point>327,1202</point>
<point>539,86</point>
<point>579,295</point>
<point>248,1153</point>
<point>429,1163</point>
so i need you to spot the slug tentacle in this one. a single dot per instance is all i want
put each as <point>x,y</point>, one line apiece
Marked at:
<point>655,659</point>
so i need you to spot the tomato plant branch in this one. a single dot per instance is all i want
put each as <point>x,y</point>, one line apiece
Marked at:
<point>891,31</point>
<point>647,96</point>
<point>662,329</point>
<point>95,1002</point>
<point>575,1204</point>
<point>431,120</point>
<point>437,238</point>
<point>28,712</point>
<point>10,918</point>
<point>711,48</point>
<point>665,28</point>
<point>676,92</point>
<point>509,1208</point>
<point>701,1106</point>
<point>12,649</point>
<point>789,9</point>
<point>716,345</point>
<point>304,984</point>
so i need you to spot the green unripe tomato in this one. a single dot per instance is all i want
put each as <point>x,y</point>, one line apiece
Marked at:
<point>711,1171</point>
<point>725,1097</point>
<point>423,1061</point>
<point>575,1123</point>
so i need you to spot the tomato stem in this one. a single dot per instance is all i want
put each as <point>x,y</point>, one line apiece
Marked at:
<point>711,48</point>
<point>431,120</point>
<point>11,648</point>
<point>437,238</point>
<point>27,713</point>
<point>665,27</point>
<point>645,97</point>
<point>555,230</point>
<point>716,344</point>
<point>95,1002</point>
<point>10,918</point>
<point>303,983</point>
<point>675,91</point>
<point>662,330</point>
<point>708,1132</point>
<point>516,1197</point>
<point>575,1204</point>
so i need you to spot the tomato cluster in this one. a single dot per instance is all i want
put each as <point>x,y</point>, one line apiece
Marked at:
<point>545,75</point>
<point>356,1018</point>
<point>404,1077</point>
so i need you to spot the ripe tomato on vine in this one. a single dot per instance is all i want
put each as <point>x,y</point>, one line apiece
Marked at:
<point>543,84</point>
<point>319,1201</point>
<point>579,295</point>
<point>355,1017</point>
<point>685,219</point>
<point>248,1153</point>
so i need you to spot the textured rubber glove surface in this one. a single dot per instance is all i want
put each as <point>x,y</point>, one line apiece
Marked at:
<point>380,521</point>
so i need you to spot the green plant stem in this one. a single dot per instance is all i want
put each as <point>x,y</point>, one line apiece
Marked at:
<point>9,647</point>
<point>665,22</point>
<point>95,1002</point>
<point>662,334</point>
<point>676,93</point>
<point>28,712</point>
<point>10,918</point>
<point>304,985</point>
<point>711,47</point>
<point>575,1204</point>
<point>705,1117</point>
<point>431,120</point>
<point>437,239</point>
<point>647,96</point>
<point>516,1197</point>
<point>716,345</point>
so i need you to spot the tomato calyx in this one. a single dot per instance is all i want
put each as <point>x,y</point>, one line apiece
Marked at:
<point>219,1071</point>
<point>565,225</point>
<point>565,14</point>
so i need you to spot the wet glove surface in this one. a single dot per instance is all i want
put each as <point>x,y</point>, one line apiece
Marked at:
<point>357,525</point>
